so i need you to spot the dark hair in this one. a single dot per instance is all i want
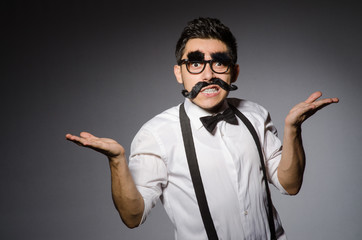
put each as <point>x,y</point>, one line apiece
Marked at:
<point>206,28</point>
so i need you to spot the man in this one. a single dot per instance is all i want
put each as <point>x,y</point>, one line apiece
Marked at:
<point>228,157</point>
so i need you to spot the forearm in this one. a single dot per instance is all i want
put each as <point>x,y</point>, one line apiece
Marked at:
<point>292,164</point>
<point>126,197</point>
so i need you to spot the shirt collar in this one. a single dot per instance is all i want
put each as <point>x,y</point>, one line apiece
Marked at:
<point>194,112</point>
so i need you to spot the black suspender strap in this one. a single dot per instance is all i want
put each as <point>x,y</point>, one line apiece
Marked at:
<point>196,177</point>
<point>257,142</point>
<point>195,174</point>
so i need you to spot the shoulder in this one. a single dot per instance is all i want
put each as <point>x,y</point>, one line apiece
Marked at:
<point>157,133</point>
<point>248,107</point>
<point>163,120</point>
<point>161,126</point>
<point>257,114</point>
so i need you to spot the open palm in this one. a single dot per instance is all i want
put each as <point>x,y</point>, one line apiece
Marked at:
<point>302,111</point>
<point>107,146</point>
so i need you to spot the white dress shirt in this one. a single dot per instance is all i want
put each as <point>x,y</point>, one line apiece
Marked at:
<point>229,167</point>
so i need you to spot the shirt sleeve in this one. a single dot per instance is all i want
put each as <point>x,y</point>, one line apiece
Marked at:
<point>148,169</point>
<point>273,152</point>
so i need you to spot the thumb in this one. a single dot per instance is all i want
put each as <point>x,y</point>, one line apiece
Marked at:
<point>314,96</point>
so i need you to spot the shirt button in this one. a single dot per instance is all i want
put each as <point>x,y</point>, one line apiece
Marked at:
<point>245,212</point>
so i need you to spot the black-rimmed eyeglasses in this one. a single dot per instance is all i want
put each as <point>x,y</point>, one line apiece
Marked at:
<point>196,67</point>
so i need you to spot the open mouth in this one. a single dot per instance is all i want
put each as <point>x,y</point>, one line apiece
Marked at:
<point>210,89</point>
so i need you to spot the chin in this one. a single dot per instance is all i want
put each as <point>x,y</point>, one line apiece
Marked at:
<point>212,104</point>
<point>210,107</point>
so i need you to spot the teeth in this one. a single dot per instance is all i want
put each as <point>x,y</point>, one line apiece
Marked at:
<point>210,90</point>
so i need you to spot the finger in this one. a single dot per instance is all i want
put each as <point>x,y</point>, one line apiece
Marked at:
<point>325,102</point>
<point>68,136</point>
<point>314,96</point>
<point>87,135</point>
<point>335,100</point>
<point>77,140</point>
<point>71,137</point>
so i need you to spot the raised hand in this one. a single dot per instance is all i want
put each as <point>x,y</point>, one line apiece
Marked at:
<point>126,197</point>
<point>302,111</point>
<point>107,146</point>
<point>292,164</point>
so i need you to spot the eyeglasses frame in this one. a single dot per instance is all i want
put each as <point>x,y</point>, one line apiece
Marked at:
<point>186,61</point>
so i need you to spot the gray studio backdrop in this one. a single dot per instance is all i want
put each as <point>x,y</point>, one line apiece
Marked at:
<point>108,68</point>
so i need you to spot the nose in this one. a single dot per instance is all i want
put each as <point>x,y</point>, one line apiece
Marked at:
<point>207,74</point>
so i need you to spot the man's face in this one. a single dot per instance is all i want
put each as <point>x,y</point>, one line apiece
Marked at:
<point>211,97</point>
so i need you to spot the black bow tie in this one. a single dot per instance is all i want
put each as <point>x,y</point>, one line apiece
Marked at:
<point>210,122</point>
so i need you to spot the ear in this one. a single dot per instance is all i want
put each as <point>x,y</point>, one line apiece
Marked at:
<point>235,73</point>
<point>177,72</point>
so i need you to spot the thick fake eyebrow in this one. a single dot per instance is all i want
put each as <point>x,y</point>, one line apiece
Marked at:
<point>195,56</point>
<point>221,57</point>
